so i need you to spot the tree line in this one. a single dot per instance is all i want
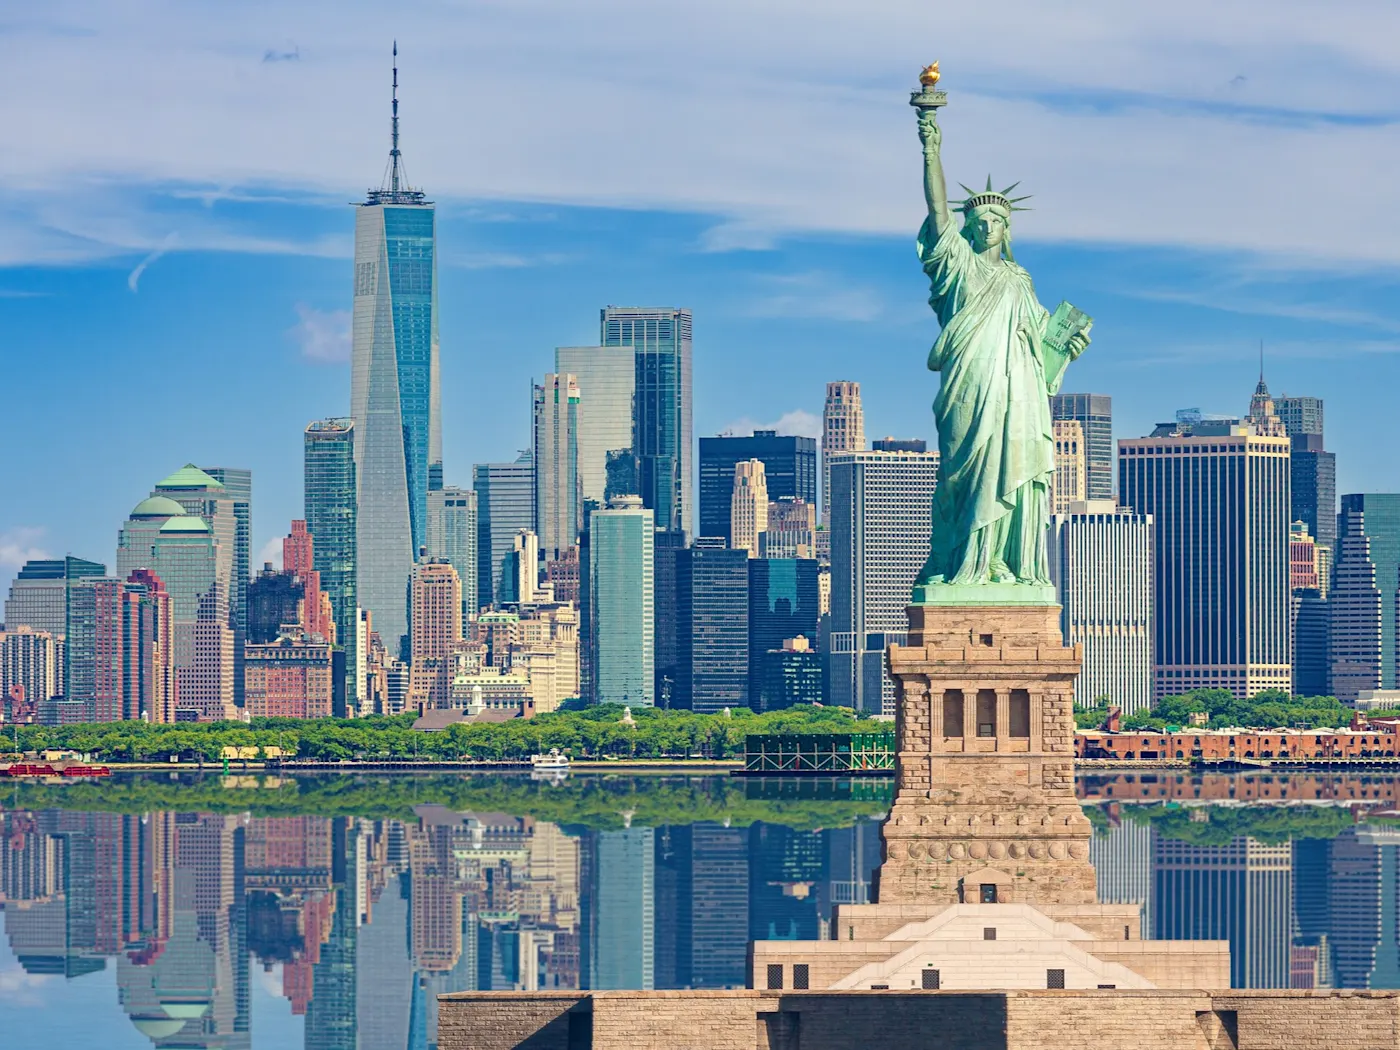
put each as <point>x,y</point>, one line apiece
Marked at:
<point>1268,709</point>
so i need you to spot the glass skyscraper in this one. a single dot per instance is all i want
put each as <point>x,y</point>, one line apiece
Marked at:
<point>607,379</point>
<point>789,466</point>
<point>662,430</point>
<point>452,536</point>
<point>621,598</point>
<point>1382,528</point>
<point>330,508</point>
<point>505,505</point>
<point>1095,414</point>
<point>712,598</point>
<point>394,389</point>
<point>238,483</point>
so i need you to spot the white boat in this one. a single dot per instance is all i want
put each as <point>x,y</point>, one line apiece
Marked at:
<point>553,762</point>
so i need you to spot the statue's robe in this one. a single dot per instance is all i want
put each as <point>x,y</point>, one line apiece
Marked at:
<point>996,447</point>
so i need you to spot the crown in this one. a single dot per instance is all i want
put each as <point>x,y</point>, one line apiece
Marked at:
<point>978,198</point>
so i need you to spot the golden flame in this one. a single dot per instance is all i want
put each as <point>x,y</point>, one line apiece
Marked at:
<point>930,76</point>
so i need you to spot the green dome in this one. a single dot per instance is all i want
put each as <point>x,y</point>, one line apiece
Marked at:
<point>157,507</point>
<point>154,1028</point>
<point>184,523</point>
<point>189,477</point>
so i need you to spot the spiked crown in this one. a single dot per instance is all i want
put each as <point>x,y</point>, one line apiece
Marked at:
<point>976,198</point>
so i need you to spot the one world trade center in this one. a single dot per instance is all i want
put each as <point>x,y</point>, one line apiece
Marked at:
<point>394,389</point>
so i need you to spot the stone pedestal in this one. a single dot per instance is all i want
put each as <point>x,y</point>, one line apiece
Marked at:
<point>985,809</point>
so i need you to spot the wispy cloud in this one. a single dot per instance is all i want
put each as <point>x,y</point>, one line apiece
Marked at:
<point>322,335</point>
<point>798,422</point>
<point>134,277</point>
<point>823,296</point>
<point>18,545</point>
<point>19,988</point>
<point>271,553</point>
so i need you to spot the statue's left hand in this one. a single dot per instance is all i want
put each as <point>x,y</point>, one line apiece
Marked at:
<point>1078,343</point>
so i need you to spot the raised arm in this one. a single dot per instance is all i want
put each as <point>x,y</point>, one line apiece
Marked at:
<point>935,186</point>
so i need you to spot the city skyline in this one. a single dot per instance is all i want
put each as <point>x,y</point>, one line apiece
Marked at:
<point>763,283</point>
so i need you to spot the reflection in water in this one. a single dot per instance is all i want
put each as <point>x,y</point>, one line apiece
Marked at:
<point>367,918</point>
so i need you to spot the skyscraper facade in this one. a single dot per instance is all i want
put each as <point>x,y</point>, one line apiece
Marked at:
<point>238,483</point>
<point>28,659</point>
<point>1313,484</point>
<point>1068,484</point>
<point>792,530</point>
<point>662,433</point>
<point>395,395</point>
<point>299,557</point>
<point>621,598</point>
<point>436,623</point>
<point>713,600</point>
<point>205,496</point>
<point>881,520</point>
<point>41,597</point>
<point>558,491</point>
<point>1219,503</point>
<point>290,677</point>
<point>843,430</point>
<point>187,559</point>
<point>607,380</point>
<point>789,468</point>
<point>784,604</point>
<point>274,602</point>
<point>748,506</point>
<point>1381,521</point>
<point>1356,613</point>
<point>1101,562</point>
<point>1300,415</point>
<point>505,504</point>
<point>452,534</point>
<point>330,505</point>
<point>1095,414</point>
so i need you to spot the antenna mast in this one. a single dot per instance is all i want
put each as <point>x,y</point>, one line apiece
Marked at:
<point>394,151</point>
<point>395,188</point>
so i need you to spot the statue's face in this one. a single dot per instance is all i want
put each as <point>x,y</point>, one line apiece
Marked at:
<point>988,226</point>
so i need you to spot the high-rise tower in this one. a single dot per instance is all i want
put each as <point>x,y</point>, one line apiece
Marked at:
<point>330,508</point>
<point>662,427</point>
<point>394,390</point>
<point>558,492</point>
<point>843,430</point>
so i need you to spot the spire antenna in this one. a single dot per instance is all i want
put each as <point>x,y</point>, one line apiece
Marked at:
<point>394,149</point>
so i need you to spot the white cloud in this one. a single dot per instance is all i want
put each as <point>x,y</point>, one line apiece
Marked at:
<point>323,335</point>
<point>19,988</point>
<point>134,277</point>
<point>798,422</point>
<point>1197,123</point>
<point>270,554</point>
<point>18,545</point>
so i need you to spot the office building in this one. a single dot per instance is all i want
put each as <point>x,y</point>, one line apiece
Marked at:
<point>1262,417</point>
<point>147,649</point>
<point>843,430</point>
<point>618,908</point>
<point>1302,558</point>
<point>894,444</point>
<point>1300,415</point>
<point>1101,562</point>
<point>792,530</point>
<point>28,660</point>
<point>274,602</point>
<point>452,537</point>
<point>789,467</point>
<point>789,675</point>
<point>621,603</point>
<point>522,579</point>
<point>1313,484</point>
<point>40,597</point>
<point>95,649</point>
<point>225,512</point>
<point>1308,608</point>
<point>299,557</point>
<point>562,576</point>
<point>712,591</point>
<point>1219,503</point>
<point>505,505</point>
<point>331,506</point>
<point>436,624</point>
<point>290,677</point>
<point>1356,610</point>
<point>784,603</point>
<point>881,519</point>
<point>606,378</point>
<point>1069,482</point>
<point>1122,860</point>
<point>558,515</point>
<point>238,484</point>
<point>662,431</point>
<point>669,548</point>
<point>1094,413</point>
<point>748,506</point>
<point>1381,523</point>
<point>395,395</point>
<point>189,562</point>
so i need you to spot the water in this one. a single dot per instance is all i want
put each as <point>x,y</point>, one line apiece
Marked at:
<point>252,912</point>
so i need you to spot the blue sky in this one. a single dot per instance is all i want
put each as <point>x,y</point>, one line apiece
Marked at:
<point>175,232</point>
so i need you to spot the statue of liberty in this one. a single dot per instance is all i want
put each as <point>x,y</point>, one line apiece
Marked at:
<point>1001,355</point>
